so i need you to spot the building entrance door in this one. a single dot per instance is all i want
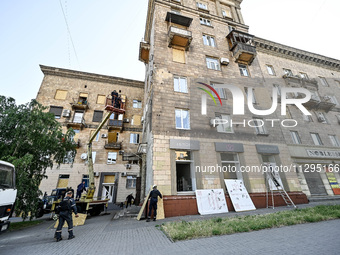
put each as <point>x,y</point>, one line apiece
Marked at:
<point>315,183</point>
<point>108,191</point>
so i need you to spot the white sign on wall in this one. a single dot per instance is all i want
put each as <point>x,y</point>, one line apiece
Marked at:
<point>239,195</point>
<point>211,201</point>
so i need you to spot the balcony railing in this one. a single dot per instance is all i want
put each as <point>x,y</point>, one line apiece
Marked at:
<point>179,37</point>
<point>115,124</point>
<point>298,81</point>
<point>178,19</point>
<point>326,104</point>
<point>115,146</point>
<point>77,123</point>
<point>242,46</point>
<point>80,104</point>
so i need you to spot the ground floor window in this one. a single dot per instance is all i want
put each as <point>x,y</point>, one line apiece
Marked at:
<point>185,174</point>
<point>230,166</point>
<point>131,181</point>
<point>63,180</point>
<point>85,179</point>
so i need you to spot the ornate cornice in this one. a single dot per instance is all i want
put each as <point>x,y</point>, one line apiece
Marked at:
<point>273,48</point>
<point>55,71</point>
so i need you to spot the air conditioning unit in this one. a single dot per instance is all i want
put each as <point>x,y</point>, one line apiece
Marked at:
<point>104,135</point>
<point>66,113</point>
<point>96,174</point>
<point>126,120</point>
<point>225,61</point>
<point>128,166</point>
<point>124,174</point>
<point>121,152</point>
<point>83,156</point>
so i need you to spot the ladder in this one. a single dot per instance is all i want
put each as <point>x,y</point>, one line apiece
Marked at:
<point>279,189</point>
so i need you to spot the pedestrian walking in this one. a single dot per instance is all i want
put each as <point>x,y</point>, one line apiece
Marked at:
<point>65,208</point>
<point>129,199</point>
<point>81,187</point>
<point>154,194</point>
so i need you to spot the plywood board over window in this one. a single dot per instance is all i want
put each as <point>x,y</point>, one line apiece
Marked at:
<point>109,179</point>
<point>83,95</point>
<point>101,99</point>
<point>178,55</point>
<point>112,137</point>
<point>60,94</point>
<point>137,120</point>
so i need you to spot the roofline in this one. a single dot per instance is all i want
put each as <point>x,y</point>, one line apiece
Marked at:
<point>56,71</point>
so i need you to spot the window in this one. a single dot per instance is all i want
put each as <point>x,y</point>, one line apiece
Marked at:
<point>278,87</point>
<point>230,163</point>
<point>213,63</point>
<point>111,157</point>
<point>136,120</point>
<point>316,138</point>
<point>178,56</point>
<point>334,100</point>
<point>243,70</point>
<point>270,70</point>
<point>137,103</point>
<point>101,99</point>
<point>324,81</point>
<point>206,22</point>
<point>86,180</point>
<point>202,6</point>
<point>220,91</point>
<point>321,117</point>
<point>259,126</point>
<point>287,72</point>
<point>97,116</point>
<point>83,98</point>
<point>185,176</point>
<point>209,40</point>
<point>78,117</point>
<point>226,126</point>
<point>134,138</point>
<point>295,137</point>
<point>63,180</point>
<point>334,140</point>
<point>226,12</point>
<point>56,110</point>
<point>304,76</point>
<point>307,118</point>
<point>60,94</point>
<point>182,119</point>
<point>180,84</point>
<point>131,181</point>
<point>253,94</point>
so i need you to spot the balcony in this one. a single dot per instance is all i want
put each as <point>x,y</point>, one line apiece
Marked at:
<point>179,37</point>
<point>114,124</point>
<point>76,123</point>
<point>298,81</point>
<point>178,19</point>
<point>80,104</point>
<point>144,50</point>
<point>242,46</point>
<point>326,104</point>
<point>114,146</point>
<point>312,103</point>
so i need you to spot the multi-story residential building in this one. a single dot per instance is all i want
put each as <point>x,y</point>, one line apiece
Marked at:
<point>191,46</point>
<point>78,100</point>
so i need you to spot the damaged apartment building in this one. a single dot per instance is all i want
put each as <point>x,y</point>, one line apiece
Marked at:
<point>78,100</point>
<point>191,46</point>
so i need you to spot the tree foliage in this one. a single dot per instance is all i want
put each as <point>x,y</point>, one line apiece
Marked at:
<point>32,140</point>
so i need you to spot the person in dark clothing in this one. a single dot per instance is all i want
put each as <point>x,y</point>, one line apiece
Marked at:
<point>65,208</point>
<point>114,96</point>
<point>119,102</point>
<point>81,187</point>
<point>129,199</point>
<point>154,194</point>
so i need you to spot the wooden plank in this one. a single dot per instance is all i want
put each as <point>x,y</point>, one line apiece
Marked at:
<point>76,221</point>
<point>139,216</point>
<point>160,209</point>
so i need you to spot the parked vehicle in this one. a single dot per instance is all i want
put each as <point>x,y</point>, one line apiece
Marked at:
<point>8,194</point>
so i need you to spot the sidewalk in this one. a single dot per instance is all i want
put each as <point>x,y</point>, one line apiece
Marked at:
<point>125,235</point>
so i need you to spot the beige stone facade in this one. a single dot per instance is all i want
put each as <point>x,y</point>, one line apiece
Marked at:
<point>186,41</point>
<point>78,100</point>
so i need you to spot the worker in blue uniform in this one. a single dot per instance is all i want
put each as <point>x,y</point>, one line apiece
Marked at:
<point>65,208</point>
<point>154,194</point>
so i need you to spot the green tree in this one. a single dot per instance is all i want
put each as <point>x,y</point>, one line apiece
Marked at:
<point>32,140</point>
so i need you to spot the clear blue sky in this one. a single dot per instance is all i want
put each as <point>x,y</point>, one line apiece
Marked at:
<point>106,35</point>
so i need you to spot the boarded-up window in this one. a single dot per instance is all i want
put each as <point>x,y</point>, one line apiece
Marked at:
<point>112,137</point>
<point>56,110</point>
<point>60,94</point>
<point>136,120</point>
<point>97,116</point>
<point>63,180</point>
<point>178,55</point>
<point>101,99</point>
<point>109,178</point>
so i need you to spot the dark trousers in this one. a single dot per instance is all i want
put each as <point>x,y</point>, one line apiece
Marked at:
<point>127,203</point>
<point>78,194</point>
<point>65,216</point>
<point>153,204</point>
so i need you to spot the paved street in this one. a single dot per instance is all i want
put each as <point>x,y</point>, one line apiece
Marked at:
<point>103,235</point>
